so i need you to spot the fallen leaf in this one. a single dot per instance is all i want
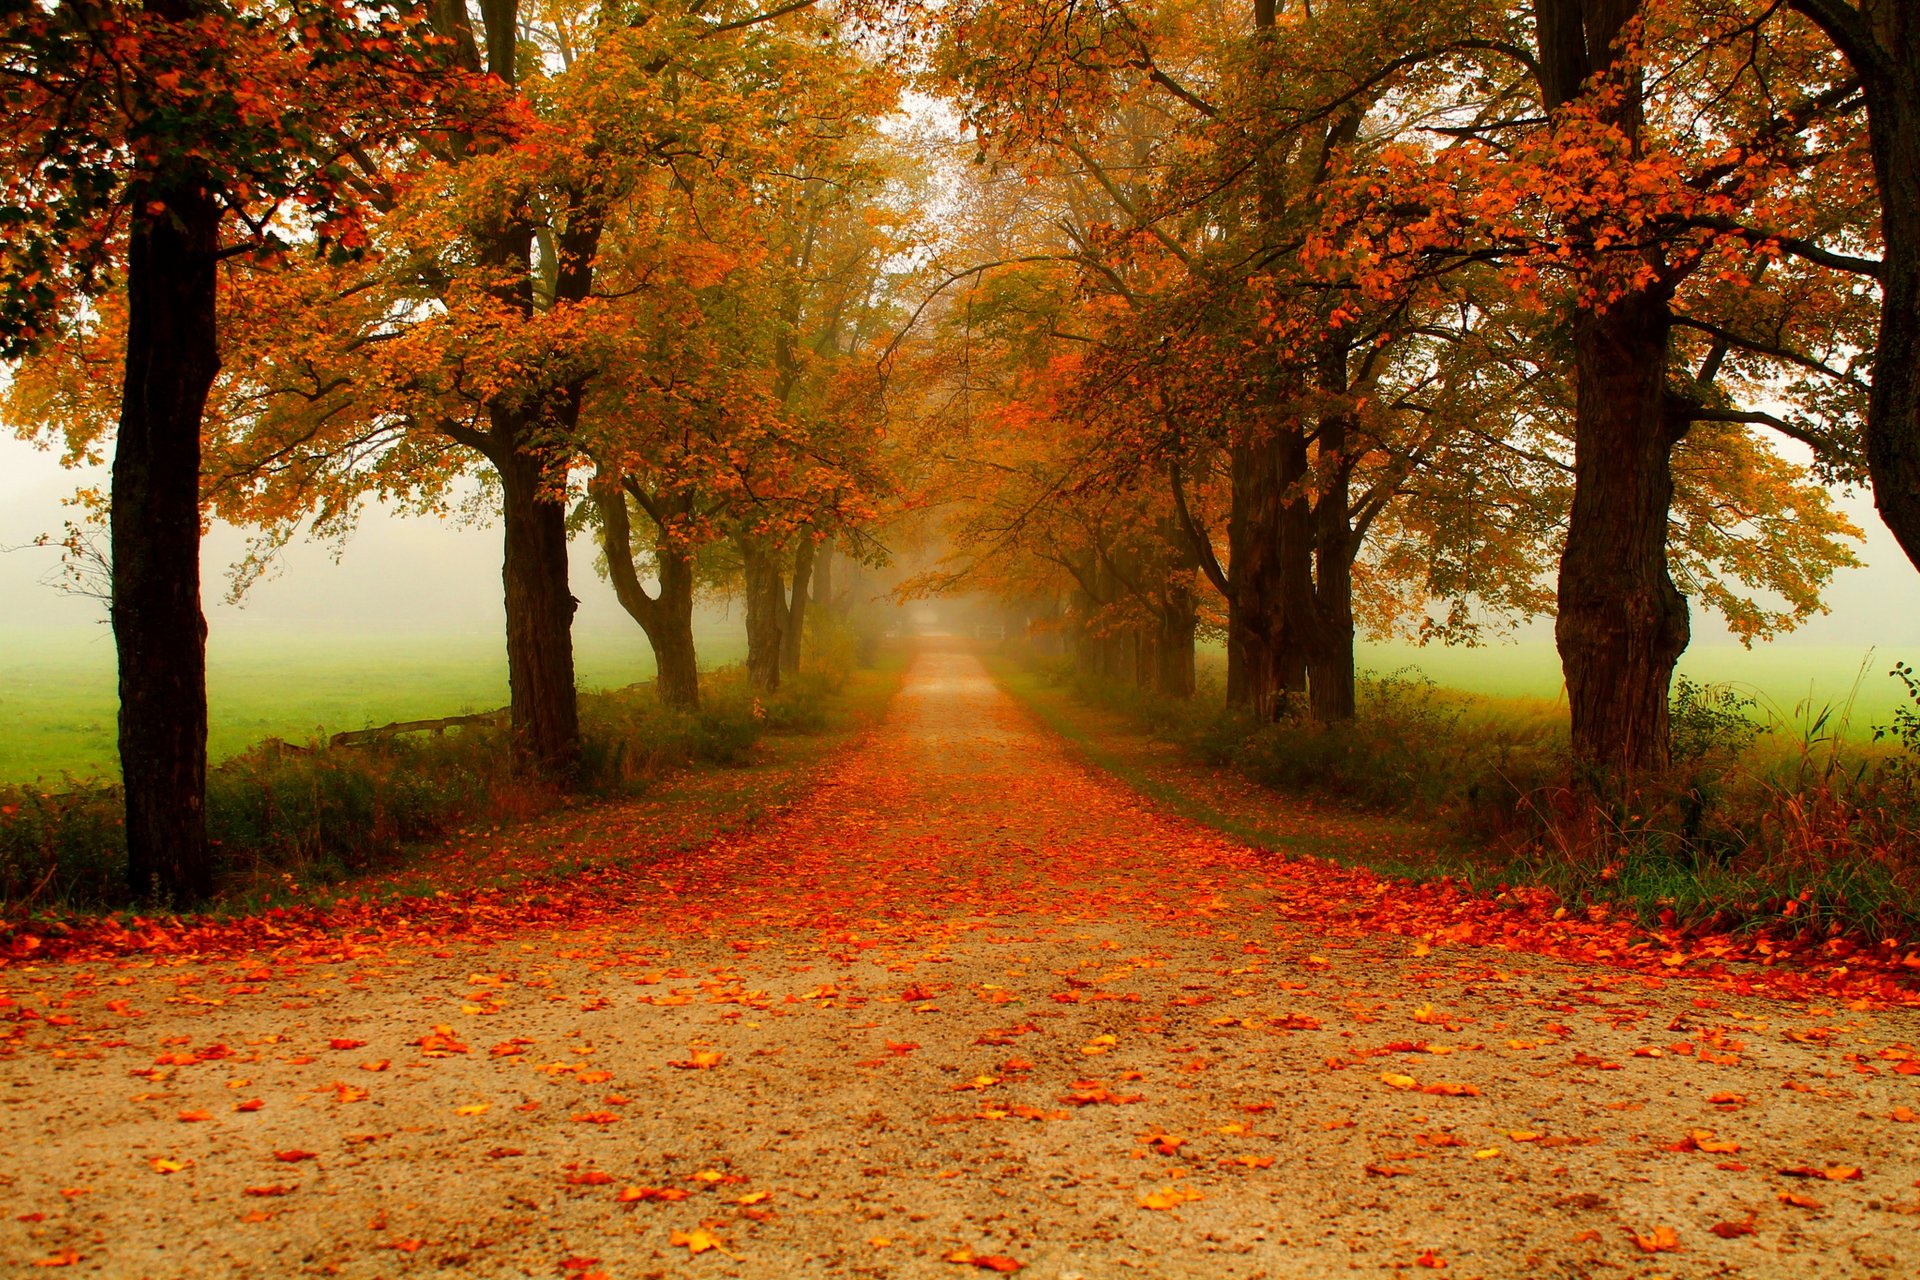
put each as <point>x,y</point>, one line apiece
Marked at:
<point>985,1261</point>
<point>1429,1259</point>
<point>473,1109</point>
<point>343,1043</point>
<point>189,1117</point>
<point>291,1157</point>
<point>1168,1198</point>
<point>64,1258</point>
<point>699,1060</point>
<point>696,1241</point>
<point>1830,1173</point>
<point>1732,1230</point>
<point>163,1165</point>
<point>666,1195</point>
<point>1663,1240</point>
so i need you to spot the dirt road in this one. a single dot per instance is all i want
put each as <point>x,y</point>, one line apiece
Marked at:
<point>971,1007</point>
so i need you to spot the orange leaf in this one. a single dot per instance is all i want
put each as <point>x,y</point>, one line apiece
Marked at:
<point>1451,1090</point>
<point>1663,1240</point>
<point>696,1241</point>
<point>1170,1197</point>
<point>188,1117</point>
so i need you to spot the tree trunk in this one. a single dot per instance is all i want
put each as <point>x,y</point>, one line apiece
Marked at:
<point>1893,408</point>
<point>677,665</point>
<point>172,356</point>
<point>1271,547</point>
<point>1174,650</point>
<point>823,576</point>
<point>766,615</point>
<point>543,702</point>
<point>1330,674</point>
<point>1622,624</point>
<point>1882,42</point>
<point>803,558</point>
<point>667,619</point>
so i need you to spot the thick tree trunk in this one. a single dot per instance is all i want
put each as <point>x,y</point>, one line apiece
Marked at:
<point>678,666</point>
<point>1622,624</point>
<point>1893,410</point>
<point>1270,545</point>
<point>666,618</point>
<point>543,703</point>
<point>766,615</point>
<point>790,639</point>
<point>159,632</point>
<point>1882,42</point>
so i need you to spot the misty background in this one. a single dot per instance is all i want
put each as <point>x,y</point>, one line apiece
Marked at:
<point>408,623</point>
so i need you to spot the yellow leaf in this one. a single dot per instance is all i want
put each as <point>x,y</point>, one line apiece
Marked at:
<point>1169,1198</point>
<point>473,1109</point>
<point>695,1241</point>
<point>1398,1081</point>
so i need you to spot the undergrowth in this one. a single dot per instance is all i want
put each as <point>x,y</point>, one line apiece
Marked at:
<point>1766,817</point>
<point>319,814</point>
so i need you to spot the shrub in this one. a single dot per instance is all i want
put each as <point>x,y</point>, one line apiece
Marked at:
<point>317,813</point>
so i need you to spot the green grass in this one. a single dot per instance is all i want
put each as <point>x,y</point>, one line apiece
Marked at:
<point>58,703</point>
<point>1790,681</point>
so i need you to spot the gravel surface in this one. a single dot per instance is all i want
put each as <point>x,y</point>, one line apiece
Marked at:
<point>970,1008</point>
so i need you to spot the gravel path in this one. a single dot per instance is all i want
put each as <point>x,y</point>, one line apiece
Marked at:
<point>971,1008</point>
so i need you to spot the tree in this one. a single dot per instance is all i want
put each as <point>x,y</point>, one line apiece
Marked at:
<point>141,146</point>
<point>1881,42</point>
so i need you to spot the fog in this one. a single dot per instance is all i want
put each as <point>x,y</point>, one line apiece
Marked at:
<point>402,575</point>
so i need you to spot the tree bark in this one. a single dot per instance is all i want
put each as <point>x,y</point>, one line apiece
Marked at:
<point>823,576</point>
<point>1270,539</point>
<point>1883,47</point>
<point>766,615</point>
<point>160,634</point>
<point>1622,624</point>
<point>1330,673</point>
<point>543,703</point>
<point>796,616</point>
<point>665,618</point>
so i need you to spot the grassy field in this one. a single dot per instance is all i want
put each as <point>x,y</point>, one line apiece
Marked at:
<point>57,702</point>
<point>1789,684</point>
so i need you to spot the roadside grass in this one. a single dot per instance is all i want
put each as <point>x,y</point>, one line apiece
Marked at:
<point>1294,826</point>
<point>1802,824</point>
<point>680,808</point>
<point>58,698</point>
<point>416,815</point>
